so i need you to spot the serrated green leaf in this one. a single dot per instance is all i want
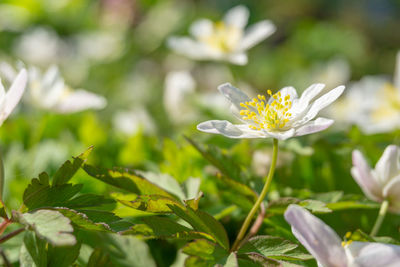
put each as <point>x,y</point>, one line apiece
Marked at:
<point>50,225</point>
<point>33,251</point>
<point>203,222</point>
<point>81,220</point>
<point>126,180</point>
<point>166,182</point>
<point>160,227</point>
<point>63,256</point>
<point>194,261</point>
<point>68,169</point>
<point>88,200</point>
<point>151,203</point>
<point>274,248</point>
<point>205,250</point>
<point>38,195</point>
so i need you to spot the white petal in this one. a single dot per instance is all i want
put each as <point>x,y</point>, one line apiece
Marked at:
<point>256,33</point>
<point>288,91</point>
<point>361,173</point>
<point>233,94</point>
<point>238,59</point>
<point>391,191</point>
<point>317,237</point>
<point>368,254</point>
<point>189,47</point>
<point>321,103</point>
<point>282,135</point>
<point>202,27</point>
<point>388,165</point>
<point>309,94</point>
<point>80,100</point>
<point>229,130</point>
<point>237,16</point>
<point>397,72</point>
<point>7,71</point>
<point>14,94</point>
<point>314,126</point>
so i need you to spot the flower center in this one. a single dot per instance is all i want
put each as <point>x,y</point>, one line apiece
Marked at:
<point>224,37</point>
<point>263,115</point>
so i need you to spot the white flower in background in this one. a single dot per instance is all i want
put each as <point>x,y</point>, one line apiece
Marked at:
<point>135,120</point>
<point>373,104</point>
<point>332,73</point>
<point>282,116</point>
<point>226,40</point>
<point>383,182</point>
<point>328,249</point>
<point>9,99</point>
<point>48,91</point>
<point>178,89</point>
<point>39,46</point>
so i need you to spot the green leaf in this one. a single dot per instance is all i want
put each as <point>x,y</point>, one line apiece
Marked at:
<point>203,222</point>
<point>38,195</point>
<point>2,177</point>
<point>81,220</point>
<point>68,169</point>
<point>238,187</point>
<point>315,206</point>
<point>166,182</point>
<point>152,203</point>
<point>50,225</point>
<point>205,250</point>
<point>279,206</point>
<point>194,202</point>
<point>63,256</point>
<point>88,200</point>
<point>126,180</point>
<point>33,251</point>
<point>3,213</point>
<point>274,247</point>
<point>160,227</point>
<point>346,205</point>
<point>99,258</point>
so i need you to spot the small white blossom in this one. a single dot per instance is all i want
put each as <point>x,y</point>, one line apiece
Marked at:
<point>282,116</point>
<point>9,99</point>
<point>226,40</point>
<point>383,182</point>
<point>132,121</point>
<point>328,249</point>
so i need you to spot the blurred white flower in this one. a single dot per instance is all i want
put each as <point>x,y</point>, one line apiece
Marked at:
<point>383,182</point>
<point>225,40</point>
<point>326,246</point>
<point>282,116</point>
<point>39,46</point>
<point>9,99</point>
<point>179,88</point>
<point>48,91</point>
<point>332,73</point>
<point>372,103</point>
<point>132,121</point>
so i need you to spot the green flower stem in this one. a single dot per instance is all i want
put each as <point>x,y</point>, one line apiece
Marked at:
<point>381,216</point>
<point>256,206</point>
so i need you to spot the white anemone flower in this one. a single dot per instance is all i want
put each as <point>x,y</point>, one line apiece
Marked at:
<point>383,182</point>
<point>282,116</point>
<point>226,40</point>
<point>10,99</point>
<point>328,249</point>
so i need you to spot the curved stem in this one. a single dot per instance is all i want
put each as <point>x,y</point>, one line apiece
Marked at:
<point>381,216</point>
<point>256,206</point>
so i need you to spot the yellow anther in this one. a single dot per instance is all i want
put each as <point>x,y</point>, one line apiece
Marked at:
<point>269,92</point>
<point>348,235</point>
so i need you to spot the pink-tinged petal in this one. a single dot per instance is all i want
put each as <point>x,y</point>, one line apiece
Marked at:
<point>80,100</point>
<point>391,191</point>
<point>282,135</point>
<point>314,126</point>
<point>227,129</point>
<point>201,28</point>
<point>317,237</point>
<point>233,94</point>
<point>397,72</point>
<point>238,59</point>
<point>321,103</point>
<point>368,254</point>
<point>361,173</point>
<point>388,165</point>
<point>14,94</point>
<point>237,16</point>
<point>256,33</point>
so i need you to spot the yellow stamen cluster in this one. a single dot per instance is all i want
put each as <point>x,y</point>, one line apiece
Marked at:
<point>223,37</point>
<point>262,115</point>
<point>347,242</point>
